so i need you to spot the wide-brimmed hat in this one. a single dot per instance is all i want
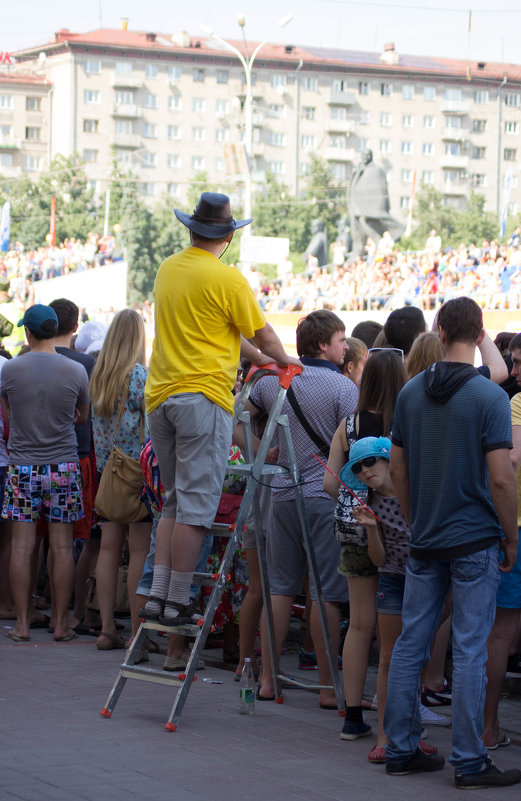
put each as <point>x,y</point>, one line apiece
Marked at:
<point>362,449</point>
<point>212,217</point>
<point>91,337</point>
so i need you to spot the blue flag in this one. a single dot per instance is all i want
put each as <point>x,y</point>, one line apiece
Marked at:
<point>5,227</point>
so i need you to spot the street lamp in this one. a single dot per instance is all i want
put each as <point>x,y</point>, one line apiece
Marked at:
<point>247,65</point>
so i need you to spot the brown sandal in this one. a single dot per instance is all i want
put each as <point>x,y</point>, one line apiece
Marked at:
<point>111,641</point>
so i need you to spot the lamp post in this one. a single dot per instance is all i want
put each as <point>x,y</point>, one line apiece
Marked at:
<point>247,65</point>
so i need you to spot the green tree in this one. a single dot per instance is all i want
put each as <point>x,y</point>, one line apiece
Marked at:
<point>430,212</point>
<point>138,235</point>
<point>277,213</point>
<point>326,198</point>
<point>473,224</point>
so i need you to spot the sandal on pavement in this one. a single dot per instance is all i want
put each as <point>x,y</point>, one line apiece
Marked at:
<point>16,637</point>
<point>427,749</point>
<point>111,641</point>
<point>67,637</point>
<point>502,743</point>
<point>377,755</point>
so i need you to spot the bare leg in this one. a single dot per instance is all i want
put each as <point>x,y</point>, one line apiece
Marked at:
<point>250,611</point>
<point>6,599</point>
<point>84,568</point>
<point>501,636</point>
<point>362,621</point>
<point>112,539</point>
<point>139,544</point>
<point>185,547</point>
<point>281,605</point>
<point>22,547</point>
<point>326,697</point>
<point>60,541</point>
<point>164,534</point>
<point>390,628</point>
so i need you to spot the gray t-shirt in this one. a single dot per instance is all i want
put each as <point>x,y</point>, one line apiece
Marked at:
<point>43,390</point>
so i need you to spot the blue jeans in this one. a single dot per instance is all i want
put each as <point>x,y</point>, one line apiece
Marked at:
<point>473,580</point>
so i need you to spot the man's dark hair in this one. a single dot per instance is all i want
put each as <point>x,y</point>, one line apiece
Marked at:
<point>403,326</point>
<point>206,239</point>
<point>367,331</point>
<point>67,313</point>
<point>48,330</point>
<point>461,320</point>
<point>515,343</point>
<point>316,328</point>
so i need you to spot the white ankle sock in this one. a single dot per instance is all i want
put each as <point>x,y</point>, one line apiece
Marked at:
<point>178,591</point>
<point>159,589</point>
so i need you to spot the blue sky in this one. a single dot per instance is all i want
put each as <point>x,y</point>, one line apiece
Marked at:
<point>439,27</point>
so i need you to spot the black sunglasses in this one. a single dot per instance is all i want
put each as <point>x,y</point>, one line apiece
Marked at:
<point>369,462</point>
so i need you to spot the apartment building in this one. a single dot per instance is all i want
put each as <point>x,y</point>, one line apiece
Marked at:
<point>170,106</point>
<point>24,124</point>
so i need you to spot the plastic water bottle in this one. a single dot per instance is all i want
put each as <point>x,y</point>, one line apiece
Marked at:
<point>247,689</point>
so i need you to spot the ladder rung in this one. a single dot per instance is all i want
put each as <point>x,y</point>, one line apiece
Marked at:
<point>150,674</point>
<point>190,629</point>
<point>267,469</point>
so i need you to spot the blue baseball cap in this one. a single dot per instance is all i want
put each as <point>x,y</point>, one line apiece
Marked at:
<point>362,449</point>
<point>40,319</point>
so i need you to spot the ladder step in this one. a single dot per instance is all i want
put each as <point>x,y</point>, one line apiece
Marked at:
<point>267,469</point>
<point>151,674</point>
<point>189,630</point>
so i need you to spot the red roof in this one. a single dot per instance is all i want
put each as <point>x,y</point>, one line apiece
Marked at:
<point>23,77</point>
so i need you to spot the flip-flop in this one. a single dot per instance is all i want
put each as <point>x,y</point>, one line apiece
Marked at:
<point>505,740</point>
<point>377,755</point>
<point>16,637</point>
<point>326,706</point>
<point>260,697</point>
<point>41,624</point>
<point>67,638</point>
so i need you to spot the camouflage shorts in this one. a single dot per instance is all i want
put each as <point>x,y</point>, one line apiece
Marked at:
<point>354,561</point>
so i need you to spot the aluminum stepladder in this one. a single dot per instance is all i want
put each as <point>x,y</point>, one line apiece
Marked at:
<point>254,470</point>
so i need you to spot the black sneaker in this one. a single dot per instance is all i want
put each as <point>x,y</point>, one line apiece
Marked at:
<point>353,731</point>
<point>186,614</point>
<point>418,763</point>
<point>489,776</point>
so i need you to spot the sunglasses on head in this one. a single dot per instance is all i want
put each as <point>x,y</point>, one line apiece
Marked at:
<point>368,462</point>
<point>399,351</point>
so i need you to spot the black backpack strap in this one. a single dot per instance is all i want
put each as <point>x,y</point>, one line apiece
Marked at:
<point>323,446</point>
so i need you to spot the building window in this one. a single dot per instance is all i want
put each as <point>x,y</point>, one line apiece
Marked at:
<point>339,85</point>
<point>32,132</point>
<point>481,97</point>
<point>428,176</point>
<point>123,67</point>
<point>173,132</point>
<point>429,121</point>
<point>91,96</point>
<point>408,91</point>
<point>339,171</point>
<point>221,106</point>
<point>6,130</point>
<point>386,89</point>
<point>150,71</point>
<point>277,139</point>
<point>124,127</point>
<point>308,141</point>
<point>277,167</point>
<point>429,93</point>
<point>91,66</point>
<point>33,103</point>
<point>123,156</point>
<point>510,154</point>
<point>150,101</point>
<point>428,149</point>
<point>453,94</point>
<point>277,79</point>
<point>362,144</point>
<point>32,163</point>
<point>308,83</point>
<point>149,130</point>
<point>198,133</point>
<point>406,176</point>
<point>222,76</point>
<point>198,104</point>
<point>511,127</point>
<point>479,126</point>
<point>338,113</point>
<point>478,179</point>
<point>198,75</point>
<point>174,74</point>
<point>6,101</point>
<point>124,98</point>
<point>407,147</point>
<point>90,126</point>
<point>309,112</point>
<point>90,156</point>
<point>197,162</point>
<point>453,149</point>
<point>277,110</point>
<point>338,141</point>
<point>477,152</point>
<point>453,122</point>
<point>405,202</point>
<point>148,188</point>
<point>407,121</point>
<point>6,159</point>
<point>149,159</point>
<point>363,88</point>
<point>173,160</point>
<point>174,103</point>
<point>512,99</point>
<point>173,189</point>
<point>221,134</point>
<point>386,119</point>
<point>363,118</point>
<point>218,164</point>
<point>385,146</point>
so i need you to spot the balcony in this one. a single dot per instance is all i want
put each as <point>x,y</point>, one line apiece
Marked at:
<point>455,107</point>
<point>9,143</point>
<point>340,126</point>
<point>454,188</point>
<point>454,135</point>
<point>449,162</point>
<point>341,98</point>
<point>340,154</point>
<point>258,149</point>
<point>126,140</point>
<point>126,110</point>
<point>126,82</point>
<point>13,172</point>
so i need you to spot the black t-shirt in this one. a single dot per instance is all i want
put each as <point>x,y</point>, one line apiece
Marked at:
<point>82,429</point>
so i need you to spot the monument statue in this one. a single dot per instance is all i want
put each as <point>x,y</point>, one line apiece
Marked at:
<point>368,205</point>
<point>344,232</point>
<point>318,244</point>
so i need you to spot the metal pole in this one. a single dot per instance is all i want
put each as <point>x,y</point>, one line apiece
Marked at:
<point>499,134</point>
<point>297,126</point>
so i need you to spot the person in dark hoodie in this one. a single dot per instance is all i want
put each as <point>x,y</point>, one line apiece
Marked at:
<point>453,478</point>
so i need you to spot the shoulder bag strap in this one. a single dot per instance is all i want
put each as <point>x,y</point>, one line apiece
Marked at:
<point>323,446</point>
<point>120,417</point>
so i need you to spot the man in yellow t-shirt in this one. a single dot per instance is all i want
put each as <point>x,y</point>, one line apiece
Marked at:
<point>202,308</point>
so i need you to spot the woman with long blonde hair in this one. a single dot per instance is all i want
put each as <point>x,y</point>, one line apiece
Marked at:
<point>119,378</point>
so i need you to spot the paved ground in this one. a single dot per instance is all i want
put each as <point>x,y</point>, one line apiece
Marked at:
<point>54,746</point>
